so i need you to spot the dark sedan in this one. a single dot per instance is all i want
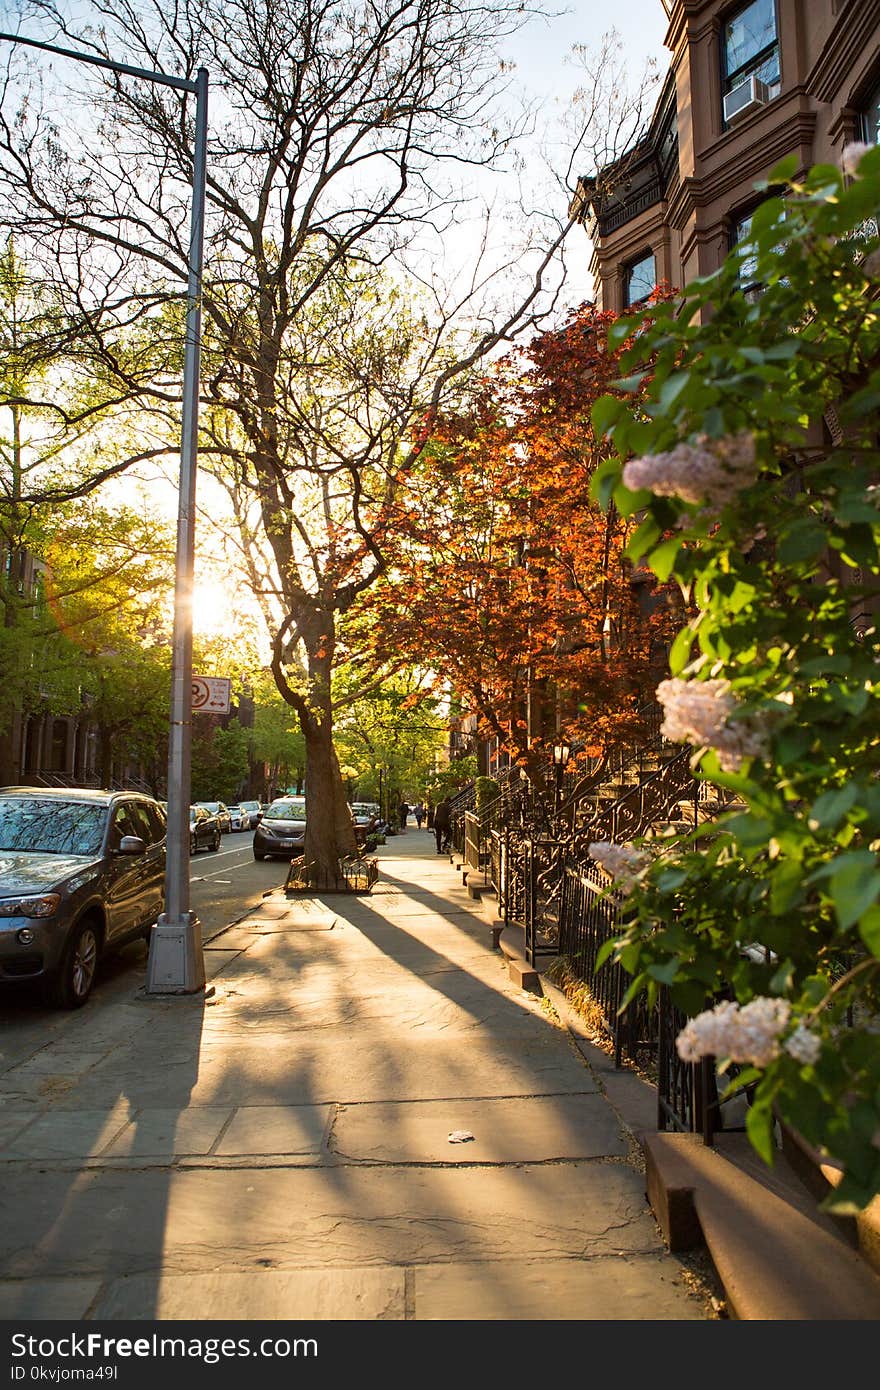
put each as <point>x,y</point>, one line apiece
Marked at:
<point>282,830</point>
<point>80,871</point>
<point>204,829</point>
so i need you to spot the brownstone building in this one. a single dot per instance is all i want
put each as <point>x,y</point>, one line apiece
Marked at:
<point>748,84</point>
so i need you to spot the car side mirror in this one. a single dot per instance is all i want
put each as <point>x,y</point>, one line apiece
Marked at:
<point>131,844</point>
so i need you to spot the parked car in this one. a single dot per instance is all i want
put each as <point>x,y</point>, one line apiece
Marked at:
<point>367,818</point>
<point>204,829</point>
<point>255,812</point>
<point>221,811</point>
<point>239,818</point>
<point>81,871</point>
<point>282,829</point>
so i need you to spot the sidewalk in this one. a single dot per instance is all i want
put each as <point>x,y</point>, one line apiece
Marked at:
<point>281,1149</point>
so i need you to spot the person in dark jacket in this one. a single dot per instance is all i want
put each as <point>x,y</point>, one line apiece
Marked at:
<point>442,823</point>
<point>403,812</point>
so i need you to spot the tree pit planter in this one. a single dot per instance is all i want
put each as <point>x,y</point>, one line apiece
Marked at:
<point>353,875</point>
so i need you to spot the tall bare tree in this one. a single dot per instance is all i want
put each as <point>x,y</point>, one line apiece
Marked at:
<point>339,133</point>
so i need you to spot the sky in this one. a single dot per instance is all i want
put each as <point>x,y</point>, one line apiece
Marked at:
<point>542,46</point>
<point>542,53</point>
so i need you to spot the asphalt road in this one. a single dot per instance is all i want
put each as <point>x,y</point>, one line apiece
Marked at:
<point>224,886</point>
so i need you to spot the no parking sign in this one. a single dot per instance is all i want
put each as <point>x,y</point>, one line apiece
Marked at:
<point>210,694</point>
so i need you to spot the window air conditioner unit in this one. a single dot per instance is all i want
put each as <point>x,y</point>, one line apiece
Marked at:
<point>744,98</point>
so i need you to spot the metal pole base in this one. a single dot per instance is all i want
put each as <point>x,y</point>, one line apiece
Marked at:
<point>176,963</point>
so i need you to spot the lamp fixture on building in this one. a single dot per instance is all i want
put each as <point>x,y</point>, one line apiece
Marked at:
<point>561,755</point>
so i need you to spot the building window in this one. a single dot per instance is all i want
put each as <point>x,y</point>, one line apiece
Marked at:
<point>741,231</point>
<point>750,47</point>
<point>871,118</point>
<point>639,279</point>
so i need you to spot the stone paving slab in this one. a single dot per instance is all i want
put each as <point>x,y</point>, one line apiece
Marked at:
<point>276,1129</point>
<point>46,1300</point>
<point>605,1290</point>
<point>301,1295</point>
<point>517,1129</point>
<point>162,1133</point>
<point>12,1123</point>
<point>79,1134</point>
<point>279,926</point>
<point>285,1069</point>
<point>54,1061</point>
<point>232,940</point>
<point>445,1003</point>
<point>112,1222</point>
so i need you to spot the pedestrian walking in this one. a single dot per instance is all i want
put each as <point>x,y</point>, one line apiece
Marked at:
<point>419,813</point>
<point>403,812</point>
<point>442,823</point>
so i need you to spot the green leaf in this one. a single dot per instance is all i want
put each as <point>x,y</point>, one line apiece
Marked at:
<point>760,1129</point>
<point>783,978</point>
<point>784,171</point>
<point>630,383</point>
<point>830,808</point>
<point>854,885</point>
<point>619,331</point>
<point>604,481</point>
<point>869,929</point>
<point>680,651</point>
<point>786,886</point>
<point>662,560</point>
<point>606,411</point>
<point>672,389</point>
<point>665,973</point>
<point>804,540</point>
<point>642,539</point>
<point>606,950</point>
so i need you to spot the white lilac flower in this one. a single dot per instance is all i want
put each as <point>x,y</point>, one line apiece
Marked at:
<point>749,1034</point>
<point>803,1045</point>
<point>710,471</point>
<point>700,713</point>
<point>623,862</point>
<point>852,156</point>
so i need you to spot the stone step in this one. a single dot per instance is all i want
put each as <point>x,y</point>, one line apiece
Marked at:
<point>778,1257</point>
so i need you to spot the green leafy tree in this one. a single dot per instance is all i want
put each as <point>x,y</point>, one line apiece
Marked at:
<point>219,760</point>
<point>391,737</point>
<point>106,589</point>
<point>753,468</point>
<point>277,741</point>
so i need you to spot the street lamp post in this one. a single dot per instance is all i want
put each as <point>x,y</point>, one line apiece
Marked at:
<point>176,962</point>
<point>561,755</point>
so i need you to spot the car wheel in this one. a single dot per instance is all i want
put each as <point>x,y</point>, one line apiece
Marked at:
<point>193,844</point>
<point>72,985</point>
<point>216,845</point>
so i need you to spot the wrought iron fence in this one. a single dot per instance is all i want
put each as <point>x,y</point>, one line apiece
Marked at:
<point>691,1096</point>
<point>591,915</point>
<point>353,874</point>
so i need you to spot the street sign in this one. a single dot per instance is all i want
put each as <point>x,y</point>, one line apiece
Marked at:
<point>210,694</point>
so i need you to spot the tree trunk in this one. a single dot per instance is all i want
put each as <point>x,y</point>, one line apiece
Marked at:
<point>329,831</point>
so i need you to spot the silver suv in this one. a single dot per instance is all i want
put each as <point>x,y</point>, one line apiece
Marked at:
<point>80,871</point>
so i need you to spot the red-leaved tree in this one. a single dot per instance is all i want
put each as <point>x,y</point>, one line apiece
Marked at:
<point>507,581</point>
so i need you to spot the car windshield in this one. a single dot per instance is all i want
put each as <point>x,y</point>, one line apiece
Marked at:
<point>213,806</point>
<point>51,827</point>
<point>287,810</point>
